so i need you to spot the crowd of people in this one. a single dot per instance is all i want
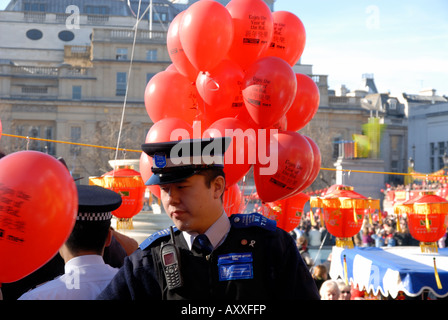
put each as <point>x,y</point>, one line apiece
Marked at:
<point>378,233</point>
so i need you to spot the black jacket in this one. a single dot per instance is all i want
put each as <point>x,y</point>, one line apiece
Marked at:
<point>276,271</point>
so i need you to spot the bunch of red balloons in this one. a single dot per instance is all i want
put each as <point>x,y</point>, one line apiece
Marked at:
<point>232,70</point>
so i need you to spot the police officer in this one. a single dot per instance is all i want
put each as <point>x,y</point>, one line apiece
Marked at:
<point>208,255</point>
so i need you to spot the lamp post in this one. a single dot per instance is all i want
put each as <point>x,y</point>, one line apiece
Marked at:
<point>408,179</point>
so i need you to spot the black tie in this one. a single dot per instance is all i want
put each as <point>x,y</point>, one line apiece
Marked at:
<point>202,244</point>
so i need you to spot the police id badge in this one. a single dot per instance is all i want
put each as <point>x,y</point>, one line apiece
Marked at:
<point>160,160</point>
<point>235,266</point>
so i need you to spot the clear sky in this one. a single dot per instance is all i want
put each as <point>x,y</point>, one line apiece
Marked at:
<point>404,43</point>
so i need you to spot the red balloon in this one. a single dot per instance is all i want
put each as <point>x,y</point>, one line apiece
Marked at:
<point>289,211</point>
<point>253,29</point>
<point>288,40</point>
<point>220,89</point>
<point>233,200</point>
<point>206,33</point>
<point>172,68</point>
<point>305,103</point>
<point>38,208</point>
<point>169,94</point>
<point>176,52</point>
<point>287,169</point>
<point>169,129</point>
<point>237,159</point>
<point>269,88</point>
<point>315,166</point>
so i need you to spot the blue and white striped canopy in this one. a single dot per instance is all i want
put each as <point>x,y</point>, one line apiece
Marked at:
<point>390,270</point>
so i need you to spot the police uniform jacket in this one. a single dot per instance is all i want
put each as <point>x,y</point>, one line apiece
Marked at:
<point>255,261</point>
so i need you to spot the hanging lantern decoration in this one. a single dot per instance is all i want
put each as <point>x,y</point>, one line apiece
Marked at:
<point>427,219</point>
<point>129,184</point>
<point>343,211</point>
<point>288,212</point>
<point>374,205</point>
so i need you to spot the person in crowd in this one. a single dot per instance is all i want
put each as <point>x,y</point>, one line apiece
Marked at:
<point>345,290</point>
<point>379,237</point>
<point>367,240</point>
<point>329,290</point>
<point>207,255</point>
<point>302,246</point>
<point>389,239</point>
<point>320,275</point>
<point>86,273</point>
<point>314,236</point>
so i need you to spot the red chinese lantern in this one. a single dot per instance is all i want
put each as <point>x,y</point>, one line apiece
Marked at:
<point>427,219</point>
<point>288,212</point>
<point>343,211</point>
<point>129,184</point>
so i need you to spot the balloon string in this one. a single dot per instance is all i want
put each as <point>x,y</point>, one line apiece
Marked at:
<point>68,142</point>
<point>127,90</point>
<point>211,80</point>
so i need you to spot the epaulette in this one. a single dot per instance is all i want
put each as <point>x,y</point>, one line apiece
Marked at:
<point>157,235</point>
<point>252,220</point>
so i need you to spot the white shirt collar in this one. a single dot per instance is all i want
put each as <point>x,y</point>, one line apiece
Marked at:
<point>216,233</point>
<point>80,261</point>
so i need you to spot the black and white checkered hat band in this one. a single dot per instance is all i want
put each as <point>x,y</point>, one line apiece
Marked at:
<point>94,216</point>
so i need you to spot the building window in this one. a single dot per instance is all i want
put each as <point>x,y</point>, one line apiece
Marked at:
<point>37,131</point>
<point>432,151</point>
<point>160,16</point>
<point>336,145</point>
<point>34,34</point>
<point>76,92</point>
<point>39,7</point>
<point>151,55</point>
<point>103,10</point>
<point>392,104</point>
<point>75,136</point>
<point>442,149</point>
<point>121,84</point>
<point>122,54</point>
<point>66,36</point>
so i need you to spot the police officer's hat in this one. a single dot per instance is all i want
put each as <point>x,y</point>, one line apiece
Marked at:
<point>96,203</point>
<point>175,161</point>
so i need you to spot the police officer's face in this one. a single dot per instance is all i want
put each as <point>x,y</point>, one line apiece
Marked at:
<point>191,204</point>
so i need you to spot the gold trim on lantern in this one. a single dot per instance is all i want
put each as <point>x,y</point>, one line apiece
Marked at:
<point>125,224</point>
<point>430,208</point>
<point>403,208</point>
<point>315,202</point>
<point>345,243</point>
<point>374,204</point>
<point>429,247</point>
